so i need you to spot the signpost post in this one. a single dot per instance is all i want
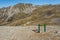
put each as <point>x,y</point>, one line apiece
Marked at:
<point>38,28</point>
<point>44,27</point>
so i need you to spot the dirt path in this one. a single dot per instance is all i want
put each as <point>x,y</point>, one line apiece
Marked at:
<point>22,33</point>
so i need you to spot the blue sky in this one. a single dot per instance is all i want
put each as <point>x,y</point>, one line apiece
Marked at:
<point>5,3</point>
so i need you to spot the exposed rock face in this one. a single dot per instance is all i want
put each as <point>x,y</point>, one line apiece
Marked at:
<point>56,20</point>
<point>29,10</point>
<point>10,11</point>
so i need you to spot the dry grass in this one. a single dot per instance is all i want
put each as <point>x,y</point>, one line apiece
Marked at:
<point>38,16</point>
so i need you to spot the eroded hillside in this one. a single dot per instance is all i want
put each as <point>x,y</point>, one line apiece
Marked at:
<point>28,14</point>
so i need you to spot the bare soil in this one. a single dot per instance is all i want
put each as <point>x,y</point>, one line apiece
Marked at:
<point>29,33</point>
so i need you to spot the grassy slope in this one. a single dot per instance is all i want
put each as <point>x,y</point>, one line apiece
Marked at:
<point>41,15</point>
